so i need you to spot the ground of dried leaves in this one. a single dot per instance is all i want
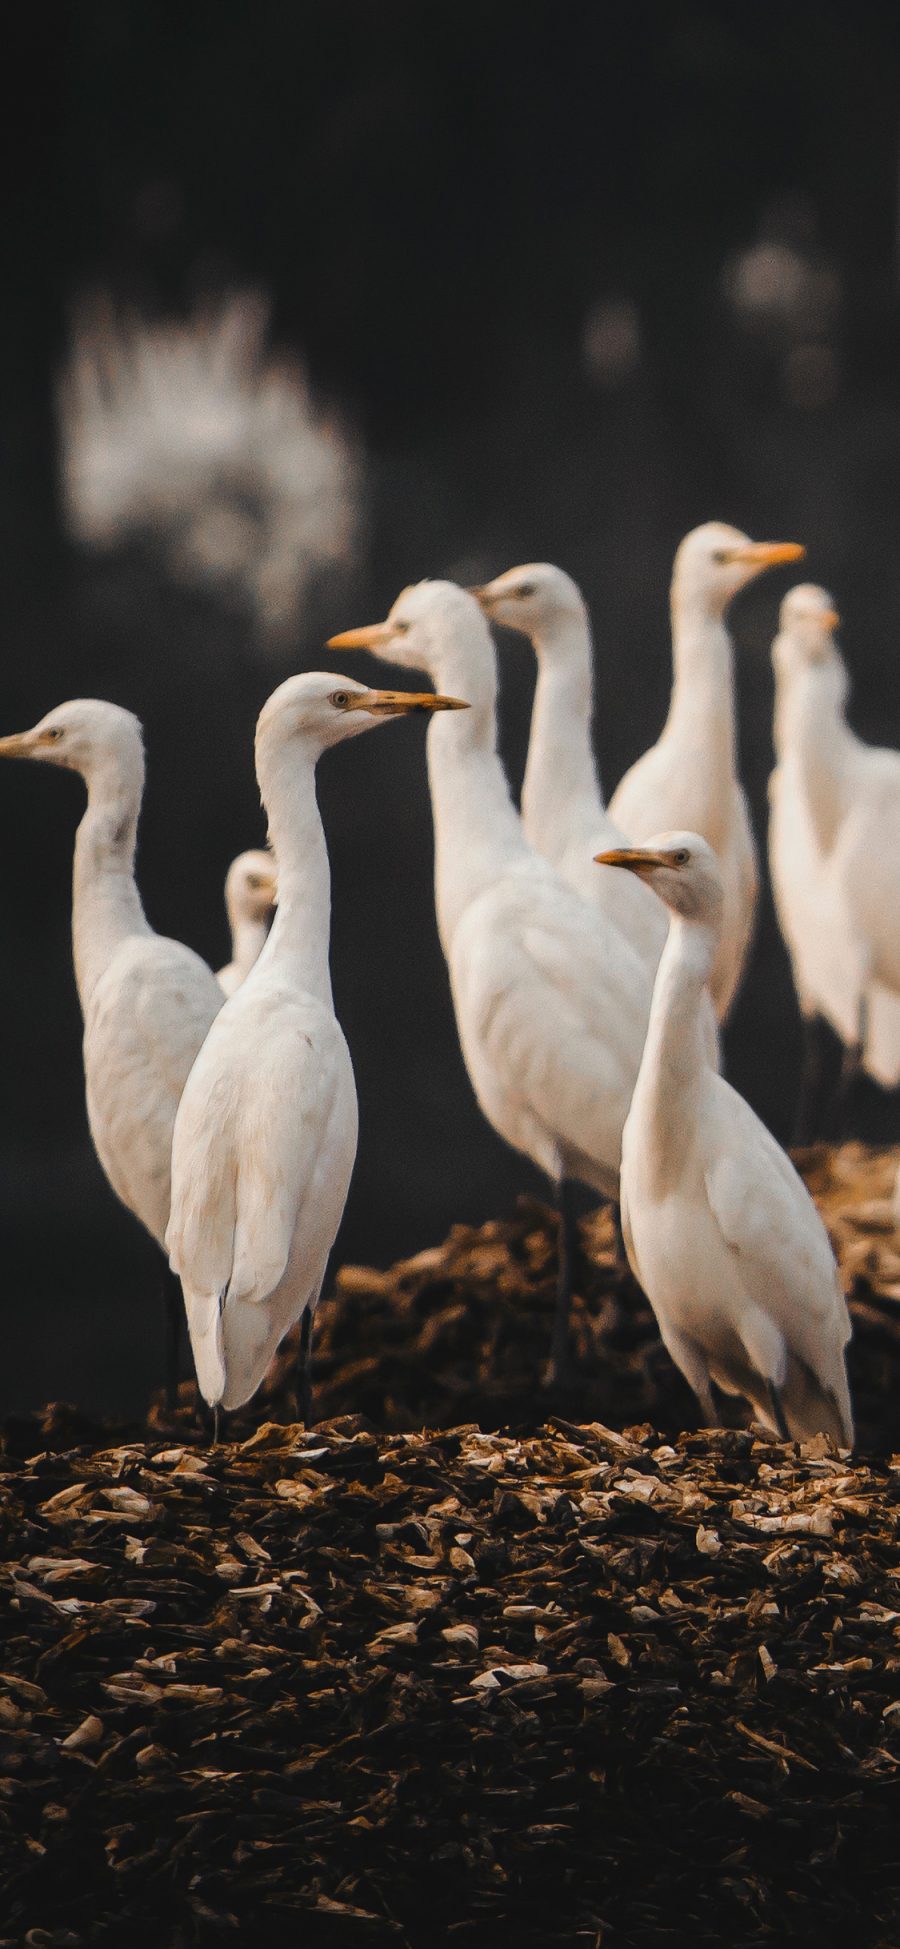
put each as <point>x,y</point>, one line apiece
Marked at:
<point>563,1685</point>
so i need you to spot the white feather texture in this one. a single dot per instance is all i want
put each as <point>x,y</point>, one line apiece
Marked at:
<point>721,1233</point>
<point>147,1001</point>
<point>834,834</point>
<point>689,778</point>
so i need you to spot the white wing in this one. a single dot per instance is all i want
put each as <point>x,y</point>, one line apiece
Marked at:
<point>766,1216</point>
<point>148,1017</point>
<point>259,1111</point>
<point>531,954</point>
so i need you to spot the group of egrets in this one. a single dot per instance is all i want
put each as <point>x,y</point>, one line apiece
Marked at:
<point>591,953</point>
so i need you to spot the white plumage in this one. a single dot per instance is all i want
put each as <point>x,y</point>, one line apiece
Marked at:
<point>551,1001</point>
<point>563,812</point>
<point>689,777</point>
<point>265,1138</point>
<point>250,892</point>
<point>147,1001</point>
<point>834,842</point>
<point>721,1233</point>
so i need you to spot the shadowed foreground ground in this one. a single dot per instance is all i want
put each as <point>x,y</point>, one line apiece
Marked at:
<point>557,1685</point>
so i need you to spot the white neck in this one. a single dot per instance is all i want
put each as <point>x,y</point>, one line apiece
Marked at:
<point>561,798</point>
<point>702,713</point>
<point>106,905</point>
<point>812,732</point>
<point>676,1053</point>
<point>248,938</point>
<point>477,831</point>
<point>297,945</point>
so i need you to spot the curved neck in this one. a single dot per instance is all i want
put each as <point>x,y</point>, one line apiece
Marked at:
<point>297,945</point>
<point>477,830</point>
<point>106,905</point>
<point>676,1057</point>
<point>702,705</point>
<point>811,731</point>
<point>561,796</point>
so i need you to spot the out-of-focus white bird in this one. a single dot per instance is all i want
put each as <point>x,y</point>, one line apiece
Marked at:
<point>689,777</point>
<point>148,1002</point>
<point>551,1001</point>
<point>265,1137</point>
<point>562,802</point>
<point>834,828</point>
<point>250,892</point>
<point>721,1232</point>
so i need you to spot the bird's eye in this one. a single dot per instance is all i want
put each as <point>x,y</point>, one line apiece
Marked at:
<point>340,699</point>
<point>681,857</point>
<point>400,628</point>
<point>524,590</point>
<point>253,882</point>
<point>720,554</point>
<point>52,733</point>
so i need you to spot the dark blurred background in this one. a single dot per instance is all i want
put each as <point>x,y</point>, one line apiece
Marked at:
<point>563,281</point>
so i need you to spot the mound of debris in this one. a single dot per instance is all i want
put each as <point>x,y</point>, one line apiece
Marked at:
<point>338,1687</point>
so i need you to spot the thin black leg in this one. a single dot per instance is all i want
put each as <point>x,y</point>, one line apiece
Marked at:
<point>174,1312</point>
<point>851,1067</point>
<point>217,1423</point>
<point>304,1370</point>
<point>560,1364</point>
<point>778,1412</point>
<point>811,1076</point>
<point>615,1210</point>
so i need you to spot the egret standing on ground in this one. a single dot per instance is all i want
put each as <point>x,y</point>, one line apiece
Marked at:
<point>829,798</point>
<point>265,1138</point>
<point>563,812</point>
<point>250,892</point>
<point>551,1001</point>
<point>723,1236</point>
<point>689,777</point>
<point>147,1002</point>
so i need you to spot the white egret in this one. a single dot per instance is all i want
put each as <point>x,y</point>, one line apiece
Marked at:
<point>563,812</point>
<point>147,1001</point>
<point>250,892</point>
<point>265,1137</point>
<point>720,1230</point>
<point>834,827</point>
<point>551,1001</point>
<point>689,777</point>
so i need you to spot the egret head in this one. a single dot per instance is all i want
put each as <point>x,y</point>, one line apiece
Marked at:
<point>86,735</point>
<point>539,599</point>
<point>323,709</point>
<point>805,640</point>
<point>715,561</point>
<point>681,867</point>
<point>251,888</point>
<point>412,632</point>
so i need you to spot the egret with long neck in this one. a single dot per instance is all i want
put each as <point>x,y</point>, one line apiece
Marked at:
<point>563,811</point>
<point>825,781</point>
<point>720,1230</point>
<point>689,777</point>
<point>265,1138</point>
<point>148,1002</point>
<point>551,1000</point>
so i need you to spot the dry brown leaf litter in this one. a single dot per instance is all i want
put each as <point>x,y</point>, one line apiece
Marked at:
<point>569,1686</point>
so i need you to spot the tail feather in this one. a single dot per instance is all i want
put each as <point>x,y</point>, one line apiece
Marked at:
<point>812,1408</point>
<point>204,1315</point>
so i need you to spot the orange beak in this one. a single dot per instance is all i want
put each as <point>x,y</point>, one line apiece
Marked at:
<point>372,636</point>
<point>766,554</point>
<point>634,858</point>
<point>402,703</point>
